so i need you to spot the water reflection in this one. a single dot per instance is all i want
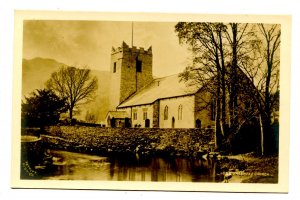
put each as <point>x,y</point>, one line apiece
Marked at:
<point>77,166</point>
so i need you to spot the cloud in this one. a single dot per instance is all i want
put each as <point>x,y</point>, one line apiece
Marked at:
<point>89,42</point>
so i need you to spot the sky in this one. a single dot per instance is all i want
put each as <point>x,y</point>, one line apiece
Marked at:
<point>89,43</point>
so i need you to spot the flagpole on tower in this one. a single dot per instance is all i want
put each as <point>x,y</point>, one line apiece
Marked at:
<point>131,34</point>
<point>136,77</point>
<point>131,43</point>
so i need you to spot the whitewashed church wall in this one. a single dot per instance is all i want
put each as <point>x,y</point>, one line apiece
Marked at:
<point>187,118</point>
<point>139,120</point>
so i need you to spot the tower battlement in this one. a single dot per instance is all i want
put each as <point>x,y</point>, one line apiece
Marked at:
<point>134,49</point>
<point>131,70</point>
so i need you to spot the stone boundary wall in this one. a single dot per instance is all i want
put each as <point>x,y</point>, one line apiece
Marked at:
<point>179,142</point>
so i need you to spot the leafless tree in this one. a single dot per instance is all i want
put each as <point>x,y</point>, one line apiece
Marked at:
<point>208,45</point>
<point>264,73</point>
<point>242,40</point>
<point>75,85</point>
<point>229,58</point>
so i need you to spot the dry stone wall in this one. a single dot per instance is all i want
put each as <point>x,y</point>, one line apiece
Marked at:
<point>99,140</point>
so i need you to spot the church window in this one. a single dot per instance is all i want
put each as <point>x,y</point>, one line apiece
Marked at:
<point>145,116</point>
<point>115,67</point>
<point>138,65</point>
<point>135,115</point>
<point>180,112</point>
<point>166,113</point>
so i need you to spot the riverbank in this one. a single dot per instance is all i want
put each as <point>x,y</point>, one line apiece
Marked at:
<point>192,143</point>
<point>249,168</point>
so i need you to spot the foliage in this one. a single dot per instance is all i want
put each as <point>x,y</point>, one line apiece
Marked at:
<point>42,108</point>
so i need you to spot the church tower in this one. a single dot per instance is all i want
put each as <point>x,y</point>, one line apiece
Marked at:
<point>130,70</point>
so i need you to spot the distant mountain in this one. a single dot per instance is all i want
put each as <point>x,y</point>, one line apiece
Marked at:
<point>35,73</point>
<point>100,106</point>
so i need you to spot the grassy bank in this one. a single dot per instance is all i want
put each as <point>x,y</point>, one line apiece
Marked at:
<point>250,168</point>
<point>246,168</point>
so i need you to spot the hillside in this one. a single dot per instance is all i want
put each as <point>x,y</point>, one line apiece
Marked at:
<point>36,71</point>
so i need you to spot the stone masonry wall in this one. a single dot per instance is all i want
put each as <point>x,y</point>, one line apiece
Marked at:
<point>179,142</point>
<point>125,81</point>
<point>132,81</point>
<point>155,118</point>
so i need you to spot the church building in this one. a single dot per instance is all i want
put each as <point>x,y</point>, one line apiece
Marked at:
<point>139,100</point>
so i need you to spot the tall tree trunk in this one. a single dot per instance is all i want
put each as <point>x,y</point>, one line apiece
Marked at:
<point>71,114</point>
<point>261,135</point>
<point>219,133</point>
<point>267,110</point>
<point>223,105</point>
<point>223,84</point>
<point>272,37</point>
<point>71,108</point>
<point>219,130</point>
<point>233,81</point>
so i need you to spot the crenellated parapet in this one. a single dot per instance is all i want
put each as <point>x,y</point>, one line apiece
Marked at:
<point>131,70</point>
<point>125,48</point>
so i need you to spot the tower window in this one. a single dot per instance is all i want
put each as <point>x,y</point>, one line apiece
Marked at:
<point>138,65</point>
<point>115,67</point>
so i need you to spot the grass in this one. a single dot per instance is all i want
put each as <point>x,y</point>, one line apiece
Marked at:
<point>260,169</point>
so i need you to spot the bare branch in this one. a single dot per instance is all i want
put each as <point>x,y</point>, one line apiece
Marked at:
<point>75,85</point>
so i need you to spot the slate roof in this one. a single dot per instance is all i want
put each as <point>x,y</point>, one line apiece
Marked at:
<point>160,88</point>
<point>117,114</point>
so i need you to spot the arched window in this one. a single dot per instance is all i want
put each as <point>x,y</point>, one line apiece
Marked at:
<point>180,112</point>
<point>166,113</point>
<point>134,114</point>
<point>145,115</point>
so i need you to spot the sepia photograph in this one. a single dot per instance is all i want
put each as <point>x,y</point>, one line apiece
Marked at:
<point>151,102</point>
